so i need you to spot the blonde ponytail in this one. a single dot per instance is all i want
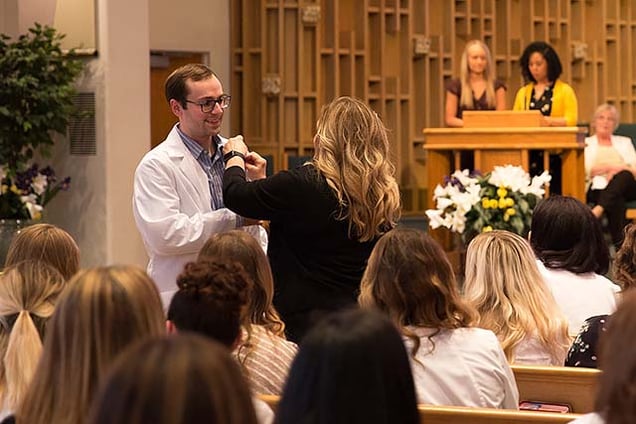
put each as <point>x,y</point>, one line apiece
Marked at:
<point>28,292</point>
<point>21,358</point>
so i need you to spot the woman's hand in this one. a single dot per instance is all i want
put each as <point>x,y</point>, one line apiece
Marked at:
<point>237,144</point>
<point>256,166</point>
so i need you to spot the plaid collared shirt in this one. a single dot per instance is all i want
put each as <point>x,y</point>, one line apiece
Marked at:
<point>213,166</point>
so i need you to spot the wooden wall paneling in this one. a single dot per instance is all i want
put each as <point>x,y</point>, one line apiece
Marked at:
<point>397,55</point>
<point>271,83</point>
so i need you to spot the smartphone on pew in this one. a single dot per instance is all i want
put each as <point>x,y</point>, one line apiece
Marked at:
<point>544,406</point>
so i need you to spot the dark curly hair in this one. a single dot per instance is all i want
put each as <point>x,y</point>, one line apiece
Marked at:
<point>551,57</point>
<point>625,260</point>
<point>211,300</point>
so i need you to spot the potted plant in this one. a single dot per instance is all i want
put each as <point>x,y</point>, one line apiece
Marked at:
<point>36,101</point>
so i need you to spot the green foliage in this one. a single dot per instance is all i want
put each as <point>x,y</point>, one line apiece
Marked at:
<point>36,93</point>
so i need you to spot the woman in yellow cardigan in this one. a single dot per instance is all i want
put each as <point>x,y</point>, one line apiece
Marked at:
<point>541,69</point>
<point>544,91</point>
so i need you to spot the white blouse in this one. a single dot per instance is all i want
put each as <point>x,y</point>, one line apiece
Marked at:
<point>580,296</point>
<point>462,367</point>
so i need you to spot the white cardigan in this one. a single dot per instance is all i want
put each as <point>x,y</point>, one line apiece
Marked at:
<point>623,146</point>
<point>465,367</point>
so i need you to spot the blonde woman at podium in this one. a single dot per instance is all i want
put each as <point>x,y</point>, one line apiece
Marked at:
<point>545,92</point>
<point>476,88</point>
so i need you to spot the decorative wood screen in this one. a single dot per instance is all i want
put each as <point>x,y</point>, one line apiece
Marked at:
<point>291,57</point>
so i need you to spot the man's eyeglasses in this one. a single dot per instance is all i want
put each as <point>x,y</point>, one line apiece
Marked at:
<point>208,105</point>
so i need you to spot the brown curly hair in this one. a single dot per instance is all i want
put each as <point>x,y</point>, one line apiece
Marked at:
<point>625,260</point>
<point>211,300</point>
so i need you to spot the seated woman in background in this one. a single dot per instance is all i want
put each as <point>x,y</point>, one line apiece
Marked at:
<point>410,279</point>
<point>504,284</point>
<point>102,311</point>
<point>351,368</point>
<point>610,166</point>
<point>476,88</point>
<point>28,293</point>
<point>183,379</point>
<point>583,352</point>
<point>615,396</point>
<point>572,256</point>
<point>545,92</point>
<point>47,243</point>
<point>263,351</point>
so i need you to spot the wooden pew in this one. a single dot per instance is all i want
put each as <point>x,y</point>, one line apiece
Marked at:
<point>573,386</point>
<point>430,414</point>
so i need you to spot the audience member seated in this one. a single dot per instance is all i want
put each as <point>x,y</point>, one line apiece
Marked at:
<point>47,243</point>
<point>28,293</point>
<point>263,352</point>
<point>211,300</point>
<point>504,284</point>
<point>351,368</point>
<point>583,352</point>
<point>101,312</point>
<point>572,256</point>
<point>616,397</point>
<point>610,166</point>
<point>184,379</point>
<point>410,279</point>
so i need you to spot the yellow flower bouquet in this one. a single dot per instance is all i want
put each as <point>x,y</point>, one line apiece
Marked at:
<point>469,204</point>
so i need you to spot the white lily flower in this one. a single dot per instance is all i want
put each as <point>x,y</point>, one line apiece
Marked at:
<point>39,184</point>
<point>435,219</point>
<point>511,177</point>
<point>30,202</point>
<point>439,191</point>
<point>444,202</point>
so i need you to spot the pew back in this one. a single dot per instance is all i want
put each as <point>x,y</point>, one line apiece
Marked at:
<point>430,414</point>
<point>573,386</point>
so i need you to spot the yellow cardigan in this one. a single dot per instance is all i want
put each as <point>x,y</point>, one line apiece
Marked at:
<point>564,104</point>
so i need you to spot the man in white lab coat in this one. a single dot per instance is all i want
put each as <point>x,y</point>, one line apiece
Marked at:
<point>177,194</point>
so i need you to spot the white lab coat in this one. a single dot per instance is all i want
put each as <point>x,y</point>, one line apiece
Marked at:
<point>171,205</point>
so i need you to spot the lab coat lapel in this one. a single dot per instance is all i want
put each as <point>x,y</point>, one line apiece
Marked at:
<point>190,169</point>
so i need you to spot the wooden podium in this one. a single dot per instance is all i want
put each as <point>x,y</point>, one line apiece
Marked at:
<point>501,145</point>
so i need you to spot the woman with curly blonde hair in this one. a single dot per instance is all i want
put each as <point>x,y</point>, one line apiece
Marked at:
<point>325,216</point>
<point>504,284</point>
<point>103,311</point>
<point>28,293</point>
<point>410,279</point>
<point>263,352</point>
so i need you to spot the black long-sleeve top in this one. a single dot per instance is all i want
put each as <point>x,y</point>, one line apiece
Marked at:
<point>316,265</point>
